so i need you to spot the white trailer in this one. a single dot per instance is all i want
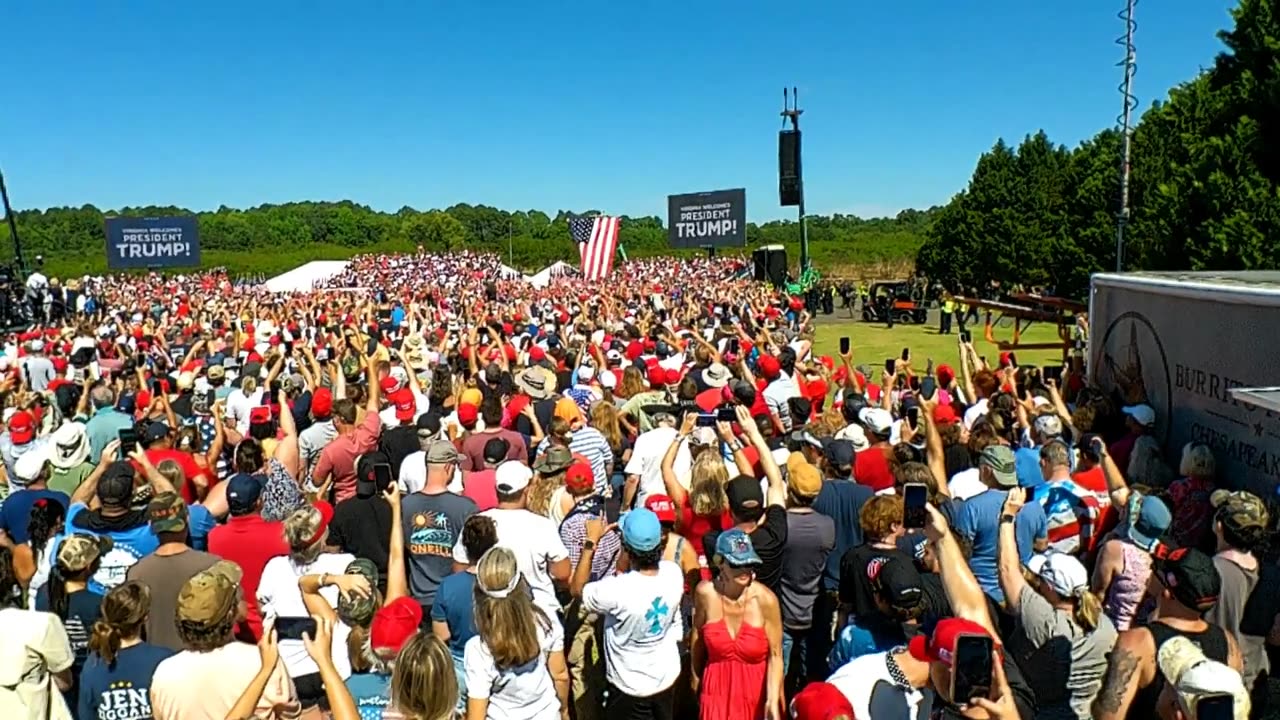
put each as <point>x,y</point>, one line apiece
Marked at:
<point>1202,348</point>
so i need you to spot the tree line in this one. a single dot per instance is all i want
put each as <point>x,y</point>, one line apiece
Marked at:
<point>1203,187</point>
<point>273,238</point>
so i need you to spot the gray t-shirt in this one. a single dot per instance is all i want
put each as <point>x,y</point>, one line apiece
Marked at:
<point>1237,586</point>
<point>39,372</point>
<point>1068,662</point>
<point>432,525</point>
<point>810,538</point>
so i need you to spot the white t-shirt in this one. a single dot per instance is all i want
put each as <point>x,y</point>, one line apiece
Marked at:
<point>279,596</point>
<point>966,483</point>
<point>642,627</point>
<point>536,542</point>
<point>239,405</point>
<point>975,411</point>
<point>388,414</point>
<point>646,462</point>
<point>867,685</point>
<point>522,693</point>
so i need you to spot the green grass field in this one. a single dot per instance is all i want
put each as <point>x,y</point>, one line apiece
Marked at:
<point>872,343</point>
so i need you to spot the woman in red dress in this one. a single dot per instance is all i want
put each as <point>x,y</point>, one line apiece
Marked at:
<point>737,642</point>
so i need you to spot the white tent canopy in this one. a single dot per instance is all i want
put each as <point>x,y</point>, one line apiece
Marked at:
<point>544,276</point>
<point>304,277</point>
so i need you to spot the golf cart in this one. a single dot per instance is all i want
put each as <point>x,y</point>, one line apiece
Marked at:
<point>902,298</point>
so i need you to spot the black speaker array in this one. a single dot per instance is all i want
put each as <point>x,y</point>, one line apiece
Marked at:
<point>789,177</point>
<point>770,265</point>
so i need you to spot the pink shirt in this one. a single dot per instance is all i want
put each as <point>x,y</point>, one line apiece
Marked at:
<point>206,685</point>
<point>481,487</point>
<point>339,457</point>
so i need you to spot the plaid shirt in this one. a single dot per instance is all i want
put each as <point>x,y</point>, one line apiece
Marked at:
<point>573,532</point>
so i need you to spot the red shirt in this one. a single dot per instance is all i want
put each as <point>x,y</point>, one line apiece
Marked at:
<point>481,487</point>
<point>871,468</point>
<point>249,541</point>
<point>695,527</point>
<point>190,470</point>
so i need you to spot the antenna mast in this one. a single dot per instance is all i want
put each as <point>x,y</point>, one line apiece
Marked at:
<point>1130,65</point>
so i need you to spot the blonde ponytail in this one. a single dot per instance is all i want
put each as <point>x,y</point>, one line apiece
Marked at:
<point>1088,609</point>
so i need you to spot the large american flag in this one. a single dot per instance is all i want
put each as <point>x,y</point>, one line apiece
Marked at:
<point>597,239</point>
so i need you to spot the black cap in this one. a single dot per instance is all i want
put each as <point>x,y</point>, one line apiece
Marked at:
<point>743,392</point>
<point>839,453</point>
<point>495,450</point>
<point>429,423</point>
<point>745,496</point>
<point>899,584</point>
<point>115,487</point>
<point>1189,575</point>
<point>154,431</point>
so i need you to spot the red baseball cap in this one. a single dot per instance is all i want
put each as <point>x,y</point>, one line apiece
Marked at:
<point>22,427</point>
<point>821,701</point>
<point>945,415</point>
<point>657,377</point>
<point>940,645</point>
<point>579,479</point>
<point>322,403</point>
<point>406,407</point>
<point>259,414</point>
<point>537,354</point>
<point>468,414</point>
<point>389,384</point>
<point>661,506</point>
<point>394,624</point>
<point>769,366</point>
<point>672,377</point>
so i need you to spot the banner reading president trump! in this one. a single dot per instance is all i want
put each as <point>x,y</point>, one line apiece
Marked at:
<point>716,219</point>
<point>152,242</point>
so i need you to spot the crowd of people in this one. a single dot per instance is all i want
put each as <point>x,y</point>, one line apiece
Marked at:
<point>430,491</point>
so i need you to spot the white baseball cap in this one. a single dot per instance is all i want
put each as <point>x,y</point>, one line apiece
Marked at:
<point>1061,571</point>
<point>1195,677</point>
<point>1145,416</point>
<point>511,477</point>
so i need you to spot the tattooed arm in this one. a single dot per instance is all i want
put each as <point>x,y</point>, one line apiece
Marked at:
<point>1130,666</point>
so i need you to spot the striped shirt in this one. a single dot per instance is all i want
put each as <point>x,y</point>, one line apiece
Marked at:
<point>1071,511</point>
<point>591,444</point>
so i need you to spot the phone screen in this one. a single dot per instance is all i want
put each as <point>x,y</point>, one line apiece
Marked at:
<point>1052,372</point>
<point>844,346</point>
<point>128,438</point>
<point>971,671</point>
<point>706,420</point>
<point>726,414</point>
<point>292,628</point>
<point>1216,707</point>
<point>890,366</point>
<point>733,346</point>
<point>914,497</point>
<point>382,476</point>
<point>928,387</point>
<point>913,416</point>
<point>906,354</point>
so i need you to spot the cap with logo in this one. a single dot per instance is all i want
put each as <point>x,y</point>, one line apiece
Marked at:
<point>243,491</point>
<point>662,507</point>
<point>1049,426</point>
<point>734,547</point>
<point>999,458</point>
<point>1189,575</point>
<point>167,513</point>
<point>899,584</point>
<point>22,427</point>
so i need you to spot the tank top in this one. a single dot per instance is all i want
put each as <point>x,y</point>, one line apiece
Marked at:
<point>1128,587</point>
<point>1212,641</point>
<point>41,577</point>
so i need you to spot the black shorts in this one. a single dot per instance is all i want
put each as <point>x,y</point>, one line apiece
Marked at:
<point>621,706</point>
<point>311,691</point>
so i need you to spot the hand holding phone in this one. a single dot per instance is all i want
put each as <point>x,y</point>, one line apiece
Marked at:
<point>914,497</point>
<point>971,672</point>
<point>844,345</point>
<point>906,354</point>
<point>293,628</point>
<point>928,387</point>
<point>382,476</point>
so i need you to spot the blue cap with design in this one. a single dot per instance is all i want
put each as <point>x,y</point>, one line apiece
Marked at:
<point>736,549</point>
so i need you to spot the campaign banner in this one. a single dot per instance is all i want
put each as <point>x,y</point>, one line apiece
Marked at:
<point>717,218</point>
<point>1182,347</point>
<point>152,242</point>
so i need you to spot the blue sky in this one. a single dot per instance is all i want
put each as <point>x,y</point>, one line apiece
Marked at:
<point>550,105</point>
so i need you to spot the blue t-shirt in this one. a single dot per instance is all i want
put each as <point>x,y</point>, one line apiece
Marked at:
<point>455,605</point>
<point>16,511</point>
<point>979,522</point>
<point>842,501</point>
<point>131,541</point>
<point>199,522</point>
<point>371,692</point>
<point>1026,462</point>
<point>121,691</point>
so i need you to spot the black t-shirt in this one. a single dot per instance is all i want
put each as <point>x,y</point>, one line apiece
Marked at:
<point>858,566</point>
<point>362,527</point>
<point>769,540</point>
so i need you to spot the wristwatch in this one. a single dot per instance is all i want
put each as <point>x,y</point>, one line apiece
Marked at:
<point>1007,518</point>
<point>588,545</point>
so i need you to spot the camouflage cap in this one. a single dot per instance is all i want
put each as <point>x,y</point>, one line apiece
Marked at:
<point>167,513</point>
<point>78,552</point>
<point>210,597</point>
<point>357,610</point>
<point>1239,509</point>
